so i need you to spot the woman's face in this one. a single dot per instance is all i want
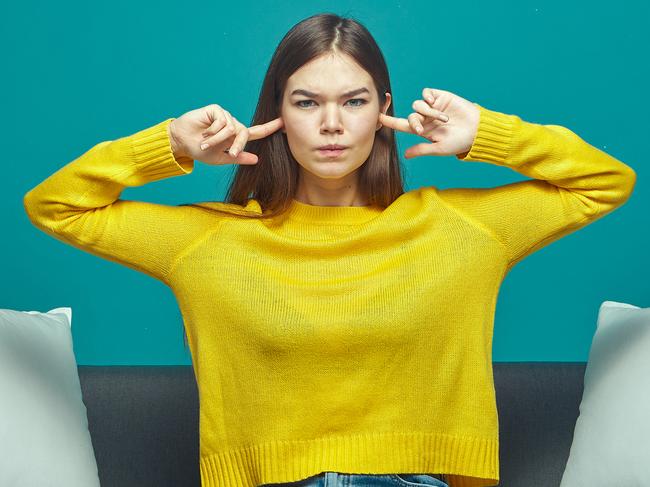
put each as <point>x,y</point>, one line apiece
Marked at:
<point>322,105</point>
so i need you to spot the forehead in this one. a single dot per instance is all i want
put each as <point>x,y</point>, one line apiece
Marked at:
<point>332,72</point>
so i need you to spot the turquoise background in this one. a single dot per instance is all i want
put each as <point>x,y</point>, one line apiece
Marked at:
<point>78,73</point>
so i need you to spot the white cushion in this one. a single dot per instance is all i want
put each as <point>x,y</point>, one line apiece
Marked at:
<point>44,437</point>
<point>611,439</point>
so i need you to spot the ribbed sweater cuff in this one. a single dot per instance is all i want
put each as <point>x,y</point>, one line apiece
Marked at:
<point>493,138</point>
<point>153,155</point>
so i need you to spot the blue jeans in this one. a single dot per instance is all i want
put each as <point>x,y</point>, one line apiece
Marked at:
<point>335,479</point>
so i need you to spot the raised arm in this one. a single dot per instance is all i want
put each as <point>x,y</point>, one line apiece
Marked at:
<point>574,183</point>
<point>79,204</point>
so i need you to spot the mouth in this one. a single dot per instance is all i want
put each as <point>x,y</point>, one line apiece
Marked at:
<point>332,151</point>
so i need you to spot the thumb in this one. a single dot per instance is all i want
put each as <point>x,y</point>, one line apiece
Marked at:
<point>424,149</point>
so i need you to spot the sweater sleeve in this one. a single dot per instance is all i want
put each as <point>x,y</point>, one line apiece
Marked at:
<point>79,203</point>
<point>574,183</point>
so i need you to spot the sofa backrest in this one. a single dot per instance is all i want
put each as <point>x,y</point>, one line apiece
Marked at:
<point>143,421</point>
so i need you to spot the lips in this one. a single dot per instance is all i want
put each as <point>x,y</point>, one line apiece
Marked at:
<point>332,147</point>
<point>333,153</point>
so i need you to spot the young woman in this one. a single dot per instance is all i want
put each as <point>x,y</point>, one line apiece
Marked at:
<point>340,328</point>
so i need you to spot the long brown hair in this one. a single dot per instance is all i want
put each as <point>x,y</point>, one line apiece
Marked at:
<point>273,181</point>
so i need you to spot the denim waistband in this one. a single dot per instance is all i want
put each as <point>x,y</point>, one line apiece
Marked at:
<point>340,479</point>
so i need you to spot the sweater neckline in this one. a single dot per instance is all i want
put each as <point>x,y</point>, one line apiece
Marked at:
<point>345,215</point>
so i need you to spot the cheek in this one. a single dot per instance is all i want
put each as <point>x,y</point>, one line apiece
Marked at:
<point>299,128</point>
<point>362,125</point>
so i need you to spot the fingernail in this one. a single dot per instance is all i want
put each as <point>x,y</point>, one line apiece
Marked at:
<point>418,129</point>
<point>204,146</point>
<point>233,152</point>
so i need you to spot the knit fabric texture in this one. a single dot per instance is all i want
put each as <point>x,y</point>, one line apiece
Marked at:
<point>339,338</point>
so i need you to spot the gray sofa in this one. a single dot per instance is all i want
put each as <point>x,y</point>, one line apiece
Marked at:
<point>143,421</point>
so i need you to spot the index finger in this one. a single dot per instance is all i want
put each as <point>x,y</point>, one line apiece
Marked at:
<point>400,124</point>
<point>262,130</point>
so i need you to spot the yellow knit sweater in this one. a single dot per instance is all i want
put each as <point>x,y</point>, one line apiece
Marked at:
<point>346,339</point>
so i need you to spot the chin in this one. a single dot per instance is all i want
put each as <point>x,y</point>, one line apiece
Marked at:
<point>330,169</point>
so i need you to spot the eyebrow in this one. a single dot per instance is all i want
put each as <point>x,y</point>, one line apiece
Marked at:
<point>316,95</point>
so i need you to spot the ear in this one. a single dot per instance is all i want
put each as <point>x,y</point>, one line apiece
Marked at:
<point>282,129</point>
<point>384,109</point>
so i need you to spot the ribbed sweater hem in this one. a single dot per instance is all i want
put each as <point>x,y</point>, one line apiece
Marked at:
<point>466,461</point>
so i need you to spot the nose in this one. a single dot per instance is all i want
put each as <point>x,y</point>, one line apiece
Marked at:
<point>331,120</point>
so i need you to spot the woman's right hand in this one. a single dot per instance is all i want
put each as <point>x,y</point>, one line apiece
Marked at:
<point>215,126</point>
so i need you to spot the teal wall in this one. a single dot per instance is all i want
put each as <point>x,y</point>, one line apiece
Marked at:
<point>77,73</point>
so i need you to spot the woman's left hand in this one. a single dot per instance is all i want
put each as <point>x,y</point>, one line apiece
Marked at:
<point>455,136</point>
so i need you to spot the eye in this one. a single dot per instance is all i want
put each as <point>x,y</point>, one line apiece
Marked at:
<point>363,102</point>
<point>298,103</point>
